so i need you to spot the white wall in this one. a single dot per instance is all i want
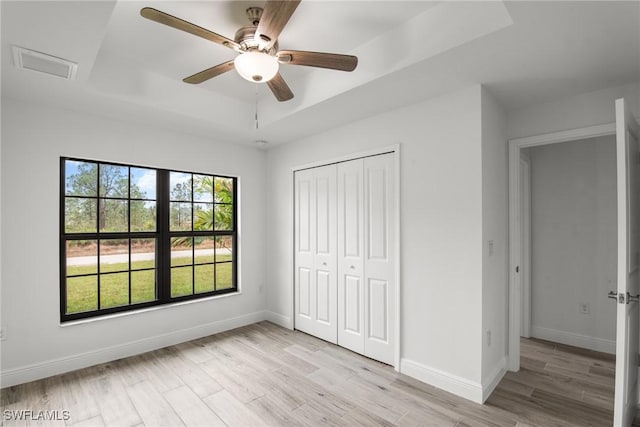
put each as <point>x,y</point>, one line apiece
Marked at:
<point>494,242</point>
<point>573,227</point>
<point>33,139</point>
<point>441,229</point>
<point>593,108</point>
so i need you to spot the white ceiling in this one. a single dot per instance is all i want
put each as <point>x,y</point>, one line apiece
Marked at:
<point>132,68</point>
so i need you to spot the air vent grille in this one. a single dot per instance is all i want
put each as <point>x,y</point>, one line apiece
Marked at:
<point>41,62</point>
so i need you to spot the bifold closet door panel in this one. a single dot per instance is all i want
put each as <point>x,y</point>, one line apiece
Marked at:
<point>379,257</point>
<point>350,256</point>
<point>315,252</point>
<point>304,257</point>
<point>325,256</point>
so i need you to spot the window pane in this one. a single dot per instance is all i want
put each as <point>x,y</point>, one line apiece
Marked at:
<point>224,248</point>
<point>202,188</point>
<point>143,216</point>
<point>224,217</point>
<point>80,215</point>
<point>143,253</point>
<point>114,255</point>
<point>114,290</point>
<point>113,215</point>
<point>181,281</point>
<point>143,183</point>
<point>180,186</point>
<point>204,250</point>
<point>81,178</point>
<point>204,278</point>
<point>143,286</point>
<point>82,294</point>
<point>224,275</point>
<point>223,190</point>
<point>82,257</point>
<point>181,251</point>
<point>203,216</point>
<point>180,216</point>
<point>114,181</point>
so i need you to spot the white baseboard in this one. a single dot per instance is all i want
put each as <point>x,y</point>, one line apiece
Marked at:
<point>462,387</point>
<point>278,319</point>
<point>576,340</point>
<point>58,366</point>
<point>494,379</point>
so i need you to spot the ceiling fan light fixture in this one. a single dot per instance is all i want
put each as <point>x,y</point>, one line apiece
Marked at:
<point>257,67</point>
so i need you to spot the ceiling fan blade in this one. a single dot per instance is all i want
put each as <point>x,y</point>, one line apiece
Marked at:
<point>209,73</point>
<point>274,17</point>
<point>181,24</point>
<point>332,61</point>
<point>280,88</point>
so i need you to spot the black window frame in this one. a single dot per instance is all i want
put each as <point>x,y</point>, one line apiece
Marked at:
<point>162,236</point>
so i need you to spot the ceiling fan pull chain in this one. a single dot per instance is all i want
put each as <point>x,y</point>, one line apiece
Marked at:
<point>256,116</point>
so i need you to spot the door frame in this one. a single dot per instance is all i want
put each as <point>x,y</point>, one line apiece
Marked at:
<point>390,149</point>
<point>515,292</point>
<point>525,242</point>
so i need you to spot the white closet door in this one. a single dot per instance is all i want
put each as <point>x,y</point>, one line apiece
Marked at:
<point>315,250</point>
<point>326,311</point>
<point>350,256</point>
<point>379,271</point>
<point>304,244</point>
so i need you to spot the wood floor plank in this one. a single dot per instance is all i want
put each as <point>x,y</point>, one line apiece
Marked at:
<point>231,410</point>
<point>238,381</point>
<point>116,408</point>
<point>273,411</point>
<point>152,407</point>
<point>191,374</point>
<point>191,410</point>
<point>263,374</point>
<point>96,421</point>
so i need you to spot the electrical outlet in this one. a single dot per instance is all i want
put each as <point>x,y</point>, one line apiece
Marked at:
<point>489,338</point>
<point>584,308</point>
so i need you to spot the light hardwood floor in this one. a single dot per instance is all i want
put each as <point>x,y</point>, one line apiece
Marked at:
<point>263,374</point>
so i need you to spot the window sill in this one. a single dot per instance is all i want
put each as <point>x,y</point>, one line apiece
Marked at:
<point>146,310</point>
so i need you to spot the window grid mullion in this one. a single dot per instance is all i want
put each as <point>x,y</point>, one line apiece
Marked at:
<point>162,238</point>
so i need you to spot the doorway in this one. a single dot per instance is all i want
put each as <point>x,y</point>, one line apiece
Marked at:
<point>568,260</point>
<point>627,292</point>
<point>568,205</point>
<point>516,257</point>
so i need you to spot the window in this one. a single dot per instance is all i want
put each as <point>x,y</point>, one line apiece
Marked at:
<point>134,236</point>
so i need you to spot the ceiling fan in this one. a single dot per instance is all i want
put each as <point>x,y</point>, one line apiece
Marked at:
<point>259,56</point>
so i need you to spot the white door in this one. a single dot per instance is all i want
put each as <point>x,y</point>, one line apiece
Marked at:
<point>315,252</point>
<point>351,256</point>
<point>345,290</point>
<point>628,186</point>
<point>379,272</point>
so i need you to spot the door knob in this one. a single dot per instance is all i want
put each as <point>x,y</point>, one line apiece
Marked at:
<point>622,298</point>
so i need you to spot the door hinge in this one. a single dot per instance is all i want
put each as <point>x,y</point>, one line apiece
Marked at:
<point>517,269</point>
